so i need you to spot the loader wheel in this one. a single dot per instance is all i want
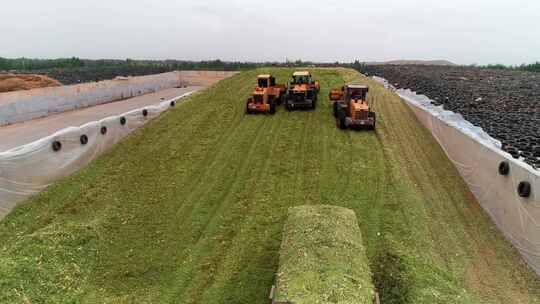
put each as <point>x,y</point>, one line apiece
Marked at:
<point>372,114</point>
<point>335,106</point>
<point>272,107</point>
<point>248,111</point>
<point>288,106</point>
<point>342,120</point>
<point>281,99</point>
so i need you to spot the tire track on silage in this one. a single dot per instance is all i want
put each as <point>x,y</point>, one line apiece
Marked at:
<point>136,202</point>
<point>207,165</point>
<point>256,220</point>
<point>245,208</point>
<point>242,242</point>
<point>198,235</point>
<point>431,195</point>
<point>333,154</point>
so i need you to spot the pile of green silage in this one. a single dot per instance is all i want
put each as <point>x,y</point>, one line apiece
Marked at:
<point>322,259</point>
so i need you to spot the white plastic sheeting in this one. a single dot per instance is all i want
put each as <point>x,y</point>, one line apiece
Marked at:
<point>19,106</point>
<point>27,170</point>
<point>477,156</point>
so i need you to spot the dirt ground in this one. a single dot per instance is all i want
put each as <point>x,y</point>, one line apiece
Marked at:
<point>16,82</point>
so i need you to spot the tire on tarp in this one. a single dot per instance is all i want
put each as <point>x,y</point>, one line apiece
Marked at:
<point>524,189</point>
<point>321,257</point>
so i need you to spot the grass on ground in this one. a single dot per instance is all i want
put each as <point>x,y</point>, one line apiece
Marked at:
<point>190,209</point>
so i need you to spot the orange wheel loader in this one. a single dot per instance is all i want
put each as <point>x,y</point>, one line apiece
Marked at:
<point>302,91</point>
<point>351,108</point>
<point>266,95</point>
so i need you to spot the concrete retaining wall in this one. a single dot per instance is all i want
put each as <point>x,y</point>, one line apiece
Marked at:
<point>21,106</point>
<point>25,105</point>
<point>28,169</point>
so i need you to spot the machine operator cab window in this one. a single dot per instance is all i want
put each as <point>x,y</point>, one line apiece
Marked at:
<point>301,78</point>
<point>264,81</point>
<point>357,93</point>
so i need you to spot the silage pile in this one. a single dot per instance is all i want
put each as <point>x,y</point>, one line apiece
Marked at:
<point>322,258</point>
<point>16,82</point>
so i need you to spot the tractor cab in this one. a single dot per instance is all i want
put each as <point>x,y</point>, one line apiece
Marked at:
<point>265,81</point>
<point>351,107</point>
<point>266,95</point>
<point>302,91</point>
<point>303,77</point>
<point>356,93</point>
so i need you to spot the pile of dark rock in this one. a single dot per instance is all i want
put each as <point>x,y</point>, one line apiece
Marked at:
<point>505,103</point>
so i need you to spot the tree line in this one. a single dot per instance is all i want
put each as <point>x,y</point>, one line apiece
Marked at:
<point>76,70</point>
<point>22,64</point>
<point>532,67</point>
<point>30,64</point>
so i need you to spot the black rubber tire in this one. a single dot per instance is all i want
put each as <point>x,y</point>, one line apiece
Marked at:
<point>504,168</point>
<point>272,107</point>
<point>288,106</point>
<point>248,111</point>
<point>83,139</point>
<point>123,120</point>
<point>524,189</point>
<point>374,115</point>
<point>281,99</point>
<point>173,103</point>
<point>145,112</point>
<point>56,146</point>
<point>342,120</point>
<point>314,104</point>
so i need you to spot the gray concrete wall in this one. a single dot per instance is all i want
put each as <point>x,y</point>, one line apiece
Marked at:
<point>21,106</point>
<point>28,169</point>
<point>25,105</point>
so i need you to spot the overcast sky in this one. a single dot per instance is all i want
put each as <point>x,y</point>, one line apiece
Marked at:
<point>465,32</point>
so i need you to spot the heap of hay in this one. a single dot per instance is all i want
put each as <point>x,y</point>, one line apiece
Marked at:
<point>13,82</point>
<point>322,259</point>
